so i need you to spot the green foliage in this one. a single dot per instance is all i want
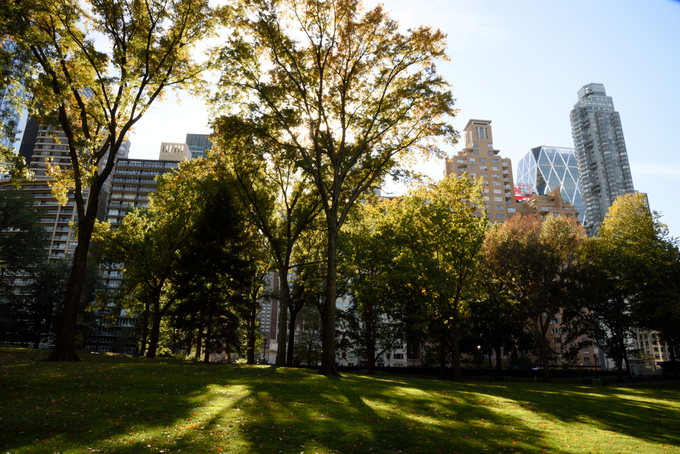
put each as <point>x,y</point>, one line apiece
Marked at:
<point>22,240</point>
<point>342,93</point>
<point>644,262</point>
<point>537,260</point>
<point>92,71</point>
<point>441,237</point>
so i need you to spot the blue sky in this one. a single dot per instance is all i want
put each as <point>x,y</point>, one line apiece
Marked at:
<point>520,64</point>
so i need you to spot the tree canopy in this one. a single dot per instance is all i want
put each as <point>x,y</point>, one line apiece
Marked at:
<point>345,95</point>
<point>92,72</point>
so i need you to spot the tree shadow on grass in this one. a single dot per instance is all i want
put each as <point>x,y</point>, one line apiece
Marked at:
<point>131,405</point>
<point>649,415</point>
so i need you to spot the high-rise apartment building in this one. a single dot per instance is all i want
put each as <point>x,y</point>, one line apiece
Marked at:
<point>479,159</point>
<point>544,169</point>
<point>601,153</point>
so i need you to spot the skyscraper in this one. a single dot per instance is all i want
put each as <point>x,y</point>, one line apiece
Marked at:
<point>601,153</point>
<point>544,169</point>
<point>479,159</point>
<point>198,144</point>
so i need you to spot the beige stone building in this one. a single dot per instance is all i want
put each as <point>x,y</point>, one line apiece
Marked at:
<point>551,203</point>
<point>480,160</point>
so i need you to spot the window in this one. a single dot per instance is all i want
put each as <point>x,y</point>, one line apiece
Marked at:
<point>497,183</point>
<point>495,168</point>
<point>482,160</point>
<point>481,133</point>
<point>511,210</point>
<point>496,175</point>
<point>500,216</point>
<point>500,207</point>
<point>494,161</point>
<point>497,191</point>
<point>398,356</point>
<point>498,199</point>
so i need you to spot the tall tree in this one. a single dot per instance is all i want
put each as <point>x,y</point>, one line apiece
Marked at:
<point>347,96</point>
<point>96,90</point>
<point>442,237</point>
<point>150,242</point>
<point>646,263</point>
<point>277,198</point>
<point>368,250</point>
<point>537,260</point>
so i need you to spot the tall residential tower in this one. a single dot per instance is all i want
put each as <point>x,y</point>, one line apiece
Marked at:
<point>601,153</point>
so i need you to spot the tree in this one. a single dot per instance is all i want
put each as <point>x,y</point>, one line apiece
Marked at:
<point>368,250</point>
<point>344,94</point>
<point>22,240</point>
<point>149,243</point>
<point>278,201</point>
<point>22,255</point>
<point>607,317</point>
<point>441,235</point>
<point>214,266</point>
<point>44,299</point>
<point>96,90</point>
<point>537,261</point>
<point>646,265</point>
<point>496,320</point>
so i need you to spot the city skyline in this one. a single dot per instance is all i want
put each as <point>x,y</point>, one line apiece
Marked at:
<point>539,55</point>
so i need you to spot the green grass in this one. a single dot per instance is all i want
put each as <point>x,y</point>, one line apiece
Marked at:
<point>128,405</point>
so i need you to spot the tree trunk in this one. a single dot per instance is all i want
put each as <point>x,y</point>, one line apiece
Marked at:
<point>328,366</point>
<point>250,349</point>
<point>545,360</point>
<point>499,359</point>
<point>65,346</point>
<point>442,360</point>
<point>619,368</point>
<point>625,358</point>
<point>294,311</point>
<point>199,338</point>
<point>145,330</point>
<point>490,365</point>
<point>284,293</point>
<point>370,344</point>
<point>455,354</point>
<point>208,332</point>
<point>155,331</point>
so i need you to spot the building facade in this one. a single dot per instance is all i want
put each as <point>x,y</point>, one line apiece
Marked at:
<point>544,169</point>
<point>551,203</point>
<point>601,153</point>
<point>479,159</point>
<point>198,144</point>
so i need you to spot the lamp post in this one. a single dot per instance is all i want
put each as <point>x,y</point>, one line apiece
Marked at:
<point>479,350</point>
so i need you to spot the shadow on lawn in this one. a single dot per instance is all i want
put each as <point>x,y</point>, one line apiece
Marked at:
<point>631,412</point>
<point>130,405</point>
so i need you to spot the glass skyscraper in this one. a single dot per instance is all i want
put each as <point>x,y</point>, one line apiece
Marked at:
<point>601,153</point>
<point>198,145</point>
<point>545,168</point>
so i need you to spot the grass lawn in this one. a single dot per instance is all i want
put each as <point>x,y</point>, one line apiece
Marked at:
<point>130,405</point>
